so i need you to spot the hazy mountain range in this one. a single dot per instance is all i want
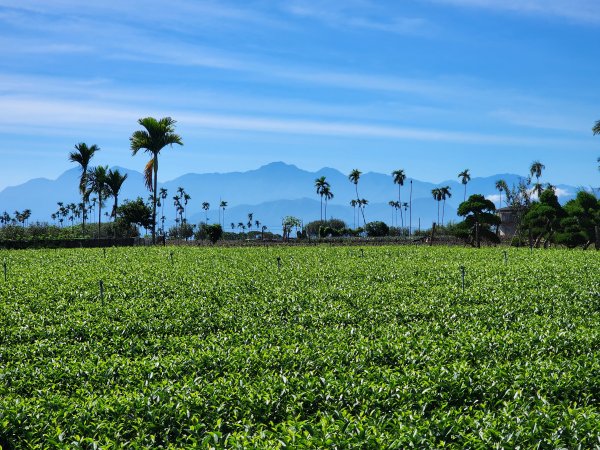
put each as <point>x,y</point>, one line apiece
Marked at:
<point>269,192</point>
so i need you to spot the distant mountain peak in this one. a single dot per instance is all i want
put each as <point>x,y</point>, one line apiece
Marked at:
<point>277,165</point>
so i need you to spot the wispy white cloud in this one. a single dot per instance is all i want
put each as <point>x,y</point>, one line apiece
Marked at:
<point>582,11</point>
<point>41,115</point>
<point>541,119</point>
<point>353,14</point>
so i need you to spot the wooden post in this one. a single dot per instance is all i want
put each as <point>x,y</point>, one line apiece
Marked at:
<point>432,234</point>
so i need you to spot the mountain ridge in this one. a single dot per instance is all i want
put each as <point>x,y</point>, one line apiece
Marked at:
<point>270,192</point>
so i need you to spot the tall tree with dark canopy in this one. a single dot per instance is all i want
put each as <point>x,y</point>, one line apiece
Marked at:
<point>114,182</point>
<point>321,184</point>
<point>535,170</point>
<point>465,177</point>
<point>399,176</point>
<point>354,176</point>
<point>156,135</point>
<point>543,218</point>
<point>82,156</point>
<point>96,180</point>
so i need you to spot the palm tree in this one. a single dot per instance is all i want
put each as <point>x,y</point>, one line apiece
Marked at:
<point>206,207</point>
<point>83,156</point>
<point>399,177</point>
<point>114,181</point>
<point>71,208</point>
<point>162,196</point>
<point>536,170</point>
<point>465,177</point>
<point>250,216</point>
<point>437,196</point>
<point>96,180</point>
<point>178,209</point>
<point>410,209</point>
<point>157,135</point>
<point>354,176</point>
<point>361,206</point>
<point>26,215</point>
<point>596,130</point>
<point>392,203</point>
<point>501,185</point>
<point>232,226</point>
<point>326,192</point>
<point>186,199</point>
<point>321,183</point>
<point>445,193</point>
<point>354,203</point>
<point>222,206</point>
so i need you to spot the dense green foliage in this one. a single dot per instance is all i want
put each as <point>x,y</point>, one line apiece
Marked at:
<point>337,348</point>
<point>377,229</point>
<point>480,219</point>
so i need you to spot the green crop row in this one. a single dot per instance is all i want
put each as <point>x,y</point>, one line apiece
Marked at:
<point>337,347</point>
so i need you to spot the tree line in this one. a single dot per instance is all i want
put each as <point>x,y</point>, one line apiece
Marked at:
<point>535,205</point>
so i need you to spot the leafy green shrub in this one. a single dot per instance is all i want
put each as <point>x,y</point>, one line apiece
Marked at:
<point>377,229</point>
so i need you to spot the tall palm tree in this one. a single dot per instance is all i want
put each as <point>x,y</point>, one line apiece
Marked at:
<point>410,209</point>
<point>178,208</point>
<point>26,215</point>
<point>250,217</point>
<point>399,177</point>
<point>328,196</point>
<point>445,193</point>
<point>500,184</point>
<point>96,180</point>
<point>162,196</point>
<point>156,135</point>
<point>536,169</point>
<point>222,206</point>
<point>596,130</point>
<point>437,196</point>
<point>186,199</point>
<point>114,181</point>
<point>465,177</point>
<point>354,177</point>
<point>392,203</point>
<point>354,203</point>
<point>321,183</point>
<point>205,207</point>
<point>82,156</point>
<point>362,203</point>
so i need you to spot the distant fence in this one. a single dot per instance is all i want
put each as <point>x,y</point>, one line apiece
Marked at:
<point>71,243</point>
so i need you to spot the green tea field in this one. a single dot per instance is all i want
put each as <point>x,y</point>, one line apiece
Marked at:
<point>332,347</point>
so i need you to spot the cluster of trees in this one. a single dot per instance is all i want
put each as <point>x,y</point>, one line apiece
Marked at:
<point>540,220</point>
<point>19,217</point>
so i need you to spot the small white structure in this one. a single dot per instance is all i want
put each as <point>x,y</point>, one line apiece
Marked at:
<point>509,217</point>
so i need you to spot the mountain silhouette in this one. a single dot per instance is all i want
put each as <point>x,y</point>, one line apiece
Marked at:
<point>270,193</point>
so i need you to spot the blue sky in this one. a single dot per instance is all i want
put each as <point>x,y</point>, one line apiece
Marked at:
<point>431,86</point>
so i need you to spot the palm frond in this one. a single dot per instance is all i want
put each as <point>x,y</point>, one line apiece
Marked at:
<point>149,173</point>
